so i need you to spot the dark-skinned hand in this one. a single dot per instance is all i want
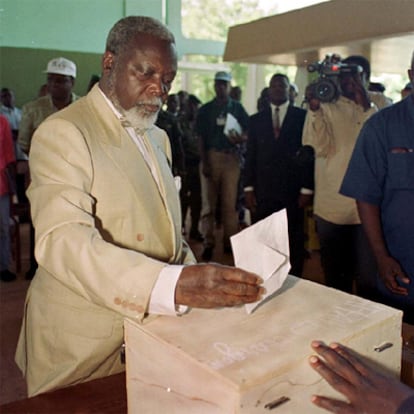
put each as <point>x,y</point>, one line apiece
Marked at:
<point>366,390</point>
<point>236,138</point>
<point>390,270</point>
<point>250,200</point>
<point>305,200</point>
<point>212,285</point>
<point>353,89</point>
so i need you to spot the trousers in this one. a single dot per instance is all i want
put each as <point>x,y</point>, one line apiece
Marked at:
<point>346,258</point>
<point>222,182</point>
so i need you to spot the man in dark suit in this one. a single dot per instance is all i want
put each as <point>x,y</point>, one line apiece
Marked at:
<point>278,169</point>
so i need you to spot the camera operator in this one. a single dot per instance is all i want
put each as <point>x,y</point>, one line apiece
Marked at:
<point>378,98</point>
<point>332,128</point>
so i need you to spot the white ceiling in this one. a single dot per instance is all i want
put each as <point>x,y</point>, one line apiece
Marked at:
<point>381,30</point>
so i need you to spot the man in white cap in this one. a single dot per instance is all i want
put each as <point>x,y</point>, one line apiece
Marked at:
<point>61,74</point>
<point>220,157</point>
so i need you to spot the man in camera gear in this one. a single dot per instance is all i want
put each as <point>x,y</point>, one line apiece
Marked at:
<point>331,128</point>
<point>378,98</point>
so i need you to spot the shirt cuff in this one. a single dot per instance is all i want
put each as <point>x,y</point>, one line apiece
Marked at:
<point>162,301</point>
<point>249,188</point>
<point>306,191</point>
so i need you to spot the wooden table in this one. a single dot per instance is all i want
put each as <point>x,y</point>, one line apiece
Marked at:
<point>101,396</point>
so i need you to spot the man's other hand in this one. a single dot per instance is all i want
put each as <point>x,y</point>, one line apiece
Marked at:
<point>366,390</point>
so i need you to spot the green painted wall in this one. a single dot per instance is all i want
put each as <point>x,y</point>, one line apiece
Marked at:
<point>80,25</point>
<point>34,31</point>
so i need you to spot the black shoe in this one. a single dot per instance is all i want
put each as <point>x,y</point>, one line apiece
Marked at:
<point>196,235</point>
<point>7,276</point>
<point>207,254</point>
<point>30,273</point>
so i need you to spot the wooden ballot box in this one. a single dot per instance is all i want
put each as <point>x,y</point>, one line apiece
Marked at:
<point>226,361</point>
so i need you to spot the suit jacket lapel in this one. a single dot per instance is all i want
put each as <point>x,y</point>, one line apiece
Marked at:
<point>120,147</point>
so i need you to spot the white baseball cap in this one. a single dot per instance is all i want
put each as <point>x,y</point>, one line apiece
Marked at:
<point>223,76</point>
<point>61,66</point>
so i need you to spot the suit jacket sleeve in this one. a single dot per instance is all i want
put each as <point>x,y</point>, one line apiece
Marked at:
<point>93,233</point>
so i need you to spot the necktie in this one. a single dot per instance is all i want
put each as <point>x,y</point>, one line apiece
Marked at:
<point>277,123</point>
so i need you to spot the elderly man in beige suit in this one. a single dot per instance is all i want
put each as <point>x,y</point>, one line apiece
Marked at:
<point>107,217</point>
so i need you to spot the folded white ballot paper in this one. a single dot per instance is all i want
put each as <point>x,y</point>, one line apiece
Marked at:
<point>263,248</point>
<point>232,124</point>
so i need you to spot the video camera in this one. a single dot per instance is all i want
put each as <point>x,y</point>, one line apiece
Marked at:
<point>327,88</point>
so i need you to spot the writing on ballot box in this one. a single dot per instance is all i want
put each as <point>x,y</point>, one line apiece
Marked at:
<point>227,361</point>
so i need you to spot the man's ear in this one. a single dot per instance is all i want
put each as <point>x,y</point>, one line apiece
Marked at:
<point>107,62</point>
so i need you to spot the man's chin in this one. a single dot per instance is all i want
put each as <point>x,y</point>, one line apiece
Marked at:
<point>142,122</point>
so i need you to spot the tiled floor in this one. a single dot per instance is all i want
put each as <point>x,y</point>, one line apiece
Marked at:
<point>12,385</point>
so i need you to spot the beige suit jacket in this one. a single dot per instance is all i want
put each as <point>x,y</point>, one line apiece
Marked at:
<point>104,231</point>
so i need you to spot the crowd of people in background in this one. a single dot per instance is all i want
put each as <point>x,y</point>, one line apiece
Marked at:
<point>282,157</point>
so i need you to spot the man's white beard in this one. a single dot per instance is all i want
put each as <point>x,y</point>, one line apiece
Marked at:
<point>137,116</point>
<point>139,120</point>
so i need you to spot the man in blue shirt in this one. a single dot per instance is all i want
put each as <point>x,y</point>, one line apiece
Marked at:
<point>380,177</point>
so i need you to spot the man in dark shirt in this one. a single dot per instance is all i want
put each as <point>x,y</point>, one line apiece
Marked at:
<point>220,160</point>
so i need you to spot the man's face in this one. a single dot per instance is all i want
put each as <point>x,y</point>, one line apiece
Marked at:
<point>140,78</point>
<point>7,98</point>
<point>222,89</point>
<point>59,86</point>
<point>278,90</point>
<point>350,83</point>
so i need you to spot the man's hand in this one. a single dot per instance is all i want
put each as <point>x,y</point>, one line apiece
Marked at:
<point>361,95</point>
<point>305,200</point>
<point>236,138</point>
<point>390,270</point>
<point>352,88</point>
<point>250,201</point>
<point>366,390</point>
<point>213,285</point>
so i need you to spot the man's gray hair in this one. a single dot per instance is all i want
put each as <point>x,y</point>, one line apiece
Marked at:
<point>129,27</point>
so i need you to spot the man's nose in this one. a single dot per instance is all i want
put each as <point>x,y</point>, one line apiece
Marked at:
<point>158,87</point>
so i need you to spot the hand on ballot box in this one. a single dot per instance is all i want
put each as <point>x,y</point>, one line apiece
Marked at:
<point>213,285</point>
<point>367,391</point>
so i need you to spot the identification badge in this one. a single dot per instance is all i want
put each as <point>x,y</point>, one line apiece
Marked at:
<point>221,120</point>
